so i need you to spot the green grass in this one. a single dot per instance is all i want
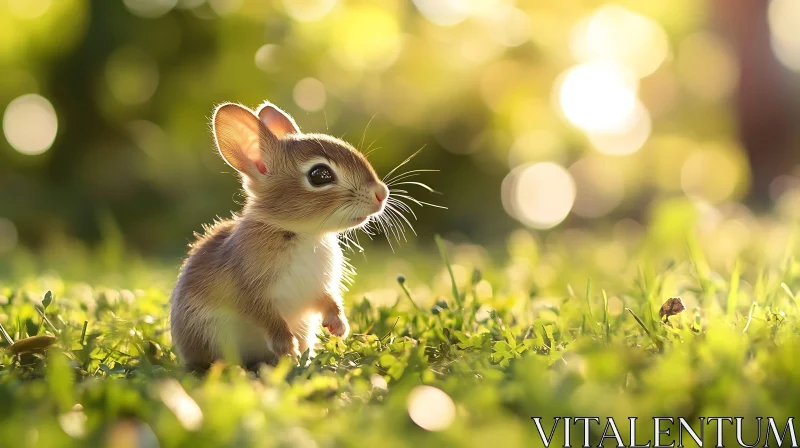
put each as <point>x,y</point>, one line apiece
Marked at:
<point>562,324</point>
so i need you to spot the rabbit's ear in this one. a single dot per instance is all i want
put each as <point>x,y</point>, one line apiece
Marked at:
<point>239,135</point>
<point>278,122</point>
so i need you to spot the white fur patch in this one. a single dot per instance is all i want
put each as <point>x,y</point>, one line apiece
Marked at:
<point>308,270</point>
<point>312,267</point>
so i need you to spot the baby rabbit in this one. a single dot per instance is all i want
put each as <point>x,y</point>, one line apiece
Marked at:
<point>256,287</point>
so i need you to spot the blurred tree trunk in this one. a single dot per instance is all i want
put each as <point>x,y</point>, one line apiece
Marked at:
<point>763,105</point>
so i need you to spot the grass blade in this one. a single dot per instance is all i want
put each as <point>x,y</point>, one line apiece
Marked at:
<point>6,336</point>
<point>46,320</point>
<point>644,327</point>
<point>700,264</point>
<point>401,280</point>
<point>733,293</point>
<point>443,253</point>
<point>790,293</point>
<point>605,317</point>
<point>83,332</point>
<point>749,317</point>
<point>588,298</point>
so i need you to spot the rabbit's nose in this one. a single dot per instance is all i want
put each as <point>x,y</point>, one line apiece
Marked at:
<point>381,192</point>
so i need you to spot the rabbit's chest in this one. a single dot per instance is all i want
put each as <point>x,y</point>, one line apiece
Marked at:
<point>311,269</point>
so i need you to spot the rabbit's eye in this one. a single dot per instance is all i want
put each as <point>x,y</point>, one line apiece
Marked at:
<point>320,175</point>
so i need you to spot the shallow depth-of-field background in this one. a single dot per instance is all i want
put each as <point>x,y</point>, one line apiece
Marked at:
<point>596,159</point>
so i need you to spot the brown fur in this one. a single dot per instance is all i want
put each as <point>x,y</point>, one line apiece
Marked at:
<point>215,255</point>
<point>296,203</point>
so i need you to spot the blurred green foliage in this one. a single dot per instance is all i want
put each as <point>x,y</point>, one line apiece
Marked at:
<point>132,84</point>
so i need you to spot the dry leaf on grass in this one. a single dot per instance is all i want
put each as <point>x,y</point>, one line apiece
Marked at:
<point>671,307</point>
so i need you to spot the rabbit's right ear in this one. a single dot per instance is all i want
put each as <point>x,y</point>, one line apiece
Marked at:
<point>239,135</point>
<point>278,122</point>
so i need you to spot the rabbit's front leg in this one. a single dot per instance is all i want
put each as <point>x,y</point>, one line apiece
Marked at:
<point>333,317</point>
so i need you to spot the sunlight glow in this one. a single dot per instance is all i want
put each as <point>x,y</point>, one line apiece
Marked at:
<point>539,195</point>
<point>784,21</point>
<point>181,404</point>
<point>509,26</point>
<point>785,191</point>
<point>265,57</point>
<point>74,422</point>
<point>378,382</point>
<point>224,7</point>
<point>309,94</point>
<point>430,408</point>
<point>598,96</point>
<point>616,34</point>
<point>615,48</point>
<point>29,9</point>
<point>453,12</point>
<point>599,186</point>
<point>308,10</point>
<point>709,174</point>
<point>368,38</point>
<point>533,146</point>
<point>629,137</point>
<point>707,66</point>
<point>30,124</point>
<point>443,12</point>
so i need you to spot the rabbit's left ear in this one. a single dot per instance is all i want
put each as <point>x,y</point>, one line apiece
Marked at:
<point>239,136</point>
<point>278,122</point>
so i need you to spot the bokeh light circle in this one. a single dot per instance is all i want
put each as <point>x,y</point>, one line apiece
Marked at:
<point>29,9</point>
<point>368,37</point>
<point>225,7</point>
<point>430,408</point>
<point>707,66</point>
<point>265,57</point>
<point>598,96</point>
<point>309,94</point>
<point>629,138</point>
<point>784,22</point>
<point>540,195</point>
<point>510,27</point>
<point>536,145</point>
<point>308,10</point>
<point>30,124</point>
<point>617,34</point>
<point>150,9</point>
<point>710,174</point>
<point>378,382</point>
<point>8,236</point>
<point>132,75</point>
<point>443,12</point>
<point>599,184</point>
